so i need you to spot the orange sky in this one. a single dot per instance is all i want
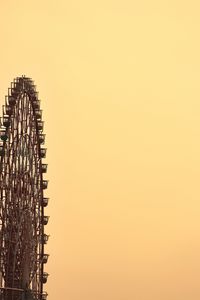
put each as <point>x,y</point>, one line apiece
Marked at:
<point>119,84</point>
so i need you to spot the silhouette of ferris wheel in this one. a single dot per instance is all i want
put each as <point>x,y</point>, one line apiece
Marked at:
<point>22,199</point>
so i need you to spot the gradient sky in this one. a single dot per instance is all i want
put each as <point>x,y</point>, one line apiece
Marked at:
<point>119,84</point>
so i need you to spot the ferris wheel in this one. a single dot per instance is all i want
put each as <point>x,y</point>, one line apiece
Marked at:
<point>22,196</point>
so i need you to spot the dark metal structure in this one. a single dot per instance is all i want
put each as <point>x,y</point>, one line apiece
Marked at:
<point>22,199</point>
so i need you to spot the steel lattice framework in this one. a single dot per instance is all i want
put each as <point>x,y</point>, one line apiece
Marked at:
<point>22,200</point>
